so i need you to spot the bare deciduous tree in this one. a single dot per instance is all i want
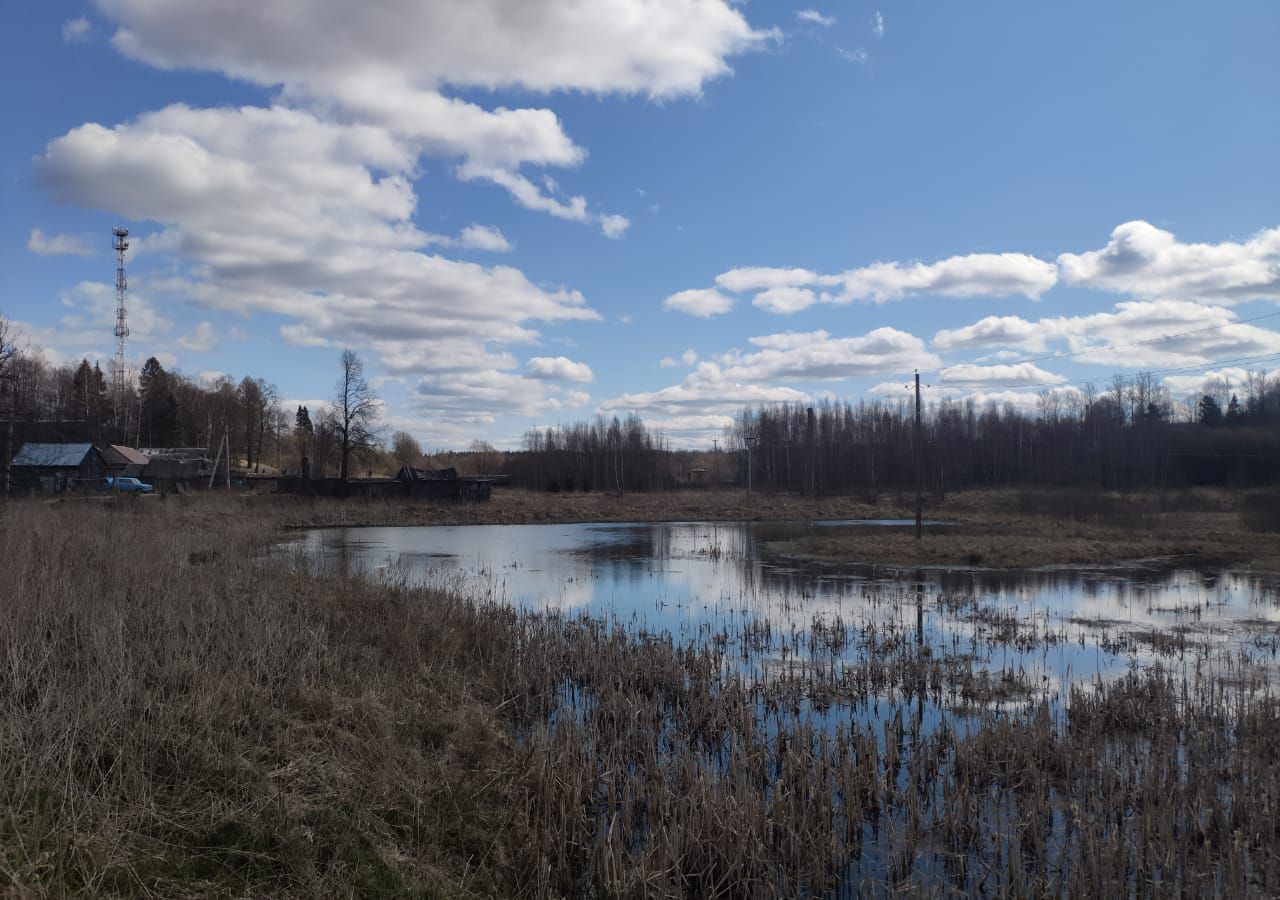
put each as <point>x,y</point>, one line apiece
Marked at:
<point>8,348</point>
<point>356,408</point>
<point>405,449</point>
<point>8,355</point>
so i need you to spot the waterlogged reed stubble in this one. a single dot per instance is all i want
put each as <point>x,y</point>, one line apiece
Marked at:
<point>667,773</point>
<point>178,718</point>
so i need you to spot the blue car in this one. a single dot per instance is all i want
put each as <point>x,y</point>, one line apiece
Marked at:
<point>127,484</point>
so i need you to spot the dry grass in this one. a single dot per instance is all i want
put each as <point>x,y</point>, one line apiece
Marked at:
<point>1017,530</point>
<point>178,718</point>
<point>991,529</point>
<point>519,507</point>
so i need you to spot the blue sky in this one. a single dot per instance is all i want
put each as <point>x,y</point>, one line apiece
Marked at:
<point>519,213</point>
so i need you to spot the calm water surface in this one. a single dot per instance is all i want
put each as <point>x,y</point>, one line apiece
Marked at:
<point>699,580</point>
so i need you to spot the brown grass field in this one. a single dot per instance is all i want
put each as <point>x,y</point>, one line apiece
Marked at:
<point>182,717</point>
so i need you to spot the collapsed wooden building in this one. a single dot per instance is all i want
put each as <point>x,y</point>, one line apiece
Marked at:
<point>441,485</point>
<point>167,469</point>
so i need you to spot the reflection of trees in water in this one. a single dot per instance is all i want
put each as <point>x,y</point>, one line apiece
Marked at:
<point>694,576</point>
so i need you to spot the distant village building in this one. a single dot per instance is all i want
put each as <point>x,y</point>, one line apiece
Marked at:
<point>124,460</point>
<point>57,467</point>
<point>179,469</point>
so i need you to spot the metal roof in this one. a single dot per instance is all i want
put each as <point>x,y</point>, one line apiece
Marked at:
<point>129,455</point>
<point>52,455</point>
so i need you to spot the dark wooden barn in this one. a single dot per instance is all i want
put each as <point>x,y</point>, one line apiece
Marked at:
<point>57,467</point>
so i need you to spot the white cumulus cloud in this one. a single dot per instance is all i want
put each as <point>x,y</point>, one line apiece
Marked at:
<point>785,300</point>
<point>1148,261</point>
<point>630,46</point>
<point>1015,375</point>
<point>560,368</point>
<point>43,244</point>
<point>816,355</point>
<point>705,391</point>
<point>391,64</point>
<point>1178,331</point>
<point>701,302</point>
<point>237,193</point>
<point>484,237</point>
<point>789,290</point>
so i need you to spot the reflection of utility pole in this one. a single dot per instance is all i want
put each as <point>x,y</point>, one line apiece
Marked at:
<point>919,609</point>
<point>919,464</point>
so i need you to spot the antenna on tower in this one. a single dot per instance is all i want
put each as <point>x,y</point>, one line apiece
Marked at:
<point>121,244</point>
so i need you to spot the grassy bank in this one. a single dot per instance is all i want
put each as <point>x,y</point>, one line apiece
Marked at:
<point>180,719</point>
<point>994,529</point>
<point>1021,529</point>
<point>520,507</point>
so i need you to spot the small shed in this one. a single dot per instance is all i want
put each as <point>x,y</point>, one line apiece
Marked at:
<point>123,460</point>
<point>57,467</point>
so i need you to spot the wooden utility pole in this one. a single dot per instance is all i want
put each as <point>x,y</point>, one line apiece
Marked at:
<point>749,437</point>
<point>811,444</point>
<point>919,467</point>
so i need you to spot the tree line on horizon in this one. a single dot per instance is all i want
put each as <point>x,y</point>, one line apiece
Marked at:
<point>161,408</point>
<point>1130,434</point>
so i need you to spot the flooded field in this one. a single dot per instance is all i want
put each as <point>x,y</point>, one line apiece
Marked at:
<point>702,722</point>
<point>713,581</point>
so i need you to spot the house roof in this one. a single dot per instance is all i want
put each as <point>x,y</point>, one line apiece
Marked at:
<point>52,455</point>
<point>128,454</point>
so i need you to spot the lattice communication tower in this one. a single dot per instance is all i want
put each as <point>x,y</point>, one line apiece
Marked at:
<point>121,244</point>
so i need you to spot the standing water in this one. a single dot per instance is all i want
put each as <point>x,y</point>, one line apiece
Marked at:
<point>701,720</point>
<point>1041,626</point>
